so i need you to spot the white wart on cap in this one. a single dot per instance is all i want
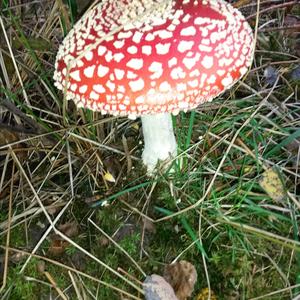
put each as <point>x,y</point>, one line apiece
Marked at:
<point>152,56</point>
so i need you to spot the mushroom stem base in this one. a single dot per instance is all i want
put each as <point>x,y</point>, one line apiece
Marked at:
<point>159,139</point>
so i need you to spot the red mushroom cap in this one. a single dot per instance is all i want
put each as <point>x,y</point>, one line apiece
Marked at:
<point>136,57</point>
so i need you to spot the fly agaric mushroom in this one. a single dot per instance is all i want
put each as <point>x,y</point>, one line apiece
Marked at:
<point>150,58</point>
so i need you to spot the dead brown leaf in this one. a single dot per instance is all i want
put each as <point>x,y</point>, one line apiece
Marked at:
<point>70,229</point>
<point>57,246</point>
<point>7,137</point>
<point>182,276</point>
<point>149,225</point>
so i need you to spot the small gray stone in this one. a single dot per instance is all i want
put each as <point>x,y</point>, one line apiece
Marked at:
<point>157,288</point>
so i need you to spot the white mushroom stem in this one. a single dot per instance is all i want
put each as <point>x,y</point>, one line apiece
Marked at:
<point>159,139</point>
